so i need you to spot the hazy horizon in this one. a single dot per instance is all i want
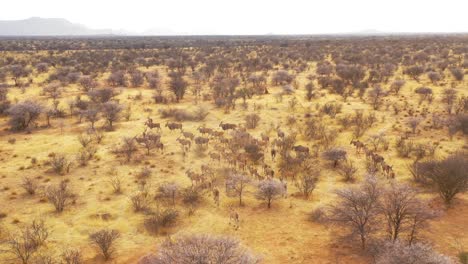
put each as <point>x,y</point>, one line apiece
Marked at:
<point>210,17</point>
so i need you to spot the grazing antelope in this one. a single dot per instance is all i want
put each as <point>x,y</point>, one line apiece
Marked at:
<point>216,196</point>
<point>205,130</point>
<point>268,171</point>
<point>285,187</point>
<point>280,133</point>
<point>149,123</point>
<point>215,156</point>
<point>226,126</point>
<point>217,134</point>
<point>201,140</point>
<point>196,178</point>
<point>265,138</point>
<point>233,218</point>
<point>173,126</point>
<point>377,158</point>
<point>253,171</point>
<point>301,149</point>
<point>358,144</point>
<point>273,153</point>
<point>160,146</point>
<point>387,169</point>
<point>368,152</point>
<point>189,135</point>
<point>186,144</point>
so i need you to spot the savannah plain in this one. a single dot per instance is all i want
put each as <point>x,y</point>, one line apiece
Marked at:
<point>345,100</point>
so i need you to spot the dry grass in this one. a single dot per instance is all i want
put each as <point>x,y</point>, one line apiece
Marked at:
<point>282,234</point>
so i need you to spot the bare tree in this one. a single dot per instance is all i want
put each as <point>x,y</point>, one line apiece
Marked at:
<point>105,240</point>
<point>202,249</point>
<point>399,253</point>
<point>413,123</point>
<point>111,111</point>
<point>450,176</point>
<point>449,97</point>
<point>60,163</point>
<point>457,73</point>
<point>307,178</point>
<point>169,191</point>
<point>347,170</point>
<point>60,195</point>
<point>178,85</point>
<point>136,78</point>
<point>358,208</point>
<point>72,256</point>
<point>398,204</point>
<point>25,244</point>
<point>23,114</point>
<point>335,155</point>
<point>236,184</point>
<point>128,147</point>
<point>269,190</point>
<point>396,85</point>
<point>376,94</point>
<point>29,185</point>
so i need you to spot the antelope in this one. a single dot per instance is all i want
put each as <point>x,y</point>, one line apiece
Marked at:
<point>185,143</point>
<point>227,126</point>
<point>253,171</point>
<point>201,140</point>
<point>188,135</point>
<point>173,126</point>
<point>216,196</point>
<point>205,130</point>
<point>377,158</point>
<point>368,152</point>
<point>216,134</point>
<point>215,156</point>
<point>149,123</point>
<point>233,217</point>
<point>301,149</point>
<point>265,138</point>
<point>358,144</point>
<point>273,153</point>
<point>160,146</point>
<point>387,169</point>
<point>196,178</point>
<point>279,132</point>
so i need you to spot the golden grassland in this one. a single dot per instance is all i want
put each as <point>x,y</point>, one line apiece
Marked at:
<point>281,234</point>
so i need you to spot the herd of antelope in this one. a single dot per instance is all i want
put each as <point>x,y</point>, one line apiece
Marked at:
<point>229,142</point>
<point>375,158</point>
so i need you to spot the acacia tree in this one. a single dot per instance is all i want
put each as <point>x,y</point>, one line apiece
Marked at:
<point>403,211</point>
<point>105,240</point>
<point>397,252</point>
<point>23,114</point>
<point>236,184</point>
<point>307,178</point>
<point>178,85</point>
<point>269,190</point>
<point>358,208</point>
<point>111,111</point>
<point>335,155</point>
<point>201,249</point>
<point>449,176</point>
<point>18,71</point>
<point>375,95</point>
<point>59,196</point>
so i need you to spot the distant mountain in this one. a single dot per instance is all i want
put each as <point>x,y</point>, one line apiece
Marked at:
<point>36,26</point>
<point>160,32</point>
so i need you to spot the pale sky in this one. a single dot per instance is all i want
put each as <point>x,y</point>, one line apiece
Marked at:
<point>251,16</point>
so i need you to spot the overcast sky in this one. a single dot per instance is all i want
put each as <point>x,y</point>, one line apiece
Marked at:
<point>251,16</point>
